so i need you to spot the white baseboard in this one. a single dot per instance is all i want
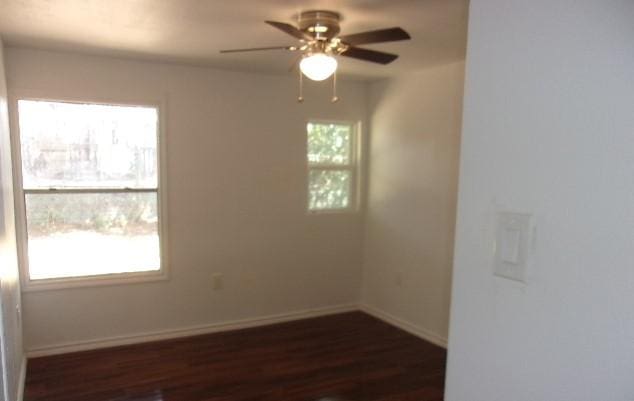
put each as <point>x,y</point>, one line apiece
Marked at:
<point>227,326</point>
<point>186,332</point>
<point>404,325</point>
<point>22,380</point>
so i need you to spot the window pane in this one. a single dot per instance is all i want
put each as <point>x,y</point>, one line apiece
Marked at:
<point>71,145</point>
<point>329,143</point>
<point>72,235</point>
<point>329,189</point>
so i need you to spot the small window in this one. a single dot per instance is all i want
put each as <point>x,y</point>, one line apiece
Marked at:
<point>90,181</point>
<point>331,166</point>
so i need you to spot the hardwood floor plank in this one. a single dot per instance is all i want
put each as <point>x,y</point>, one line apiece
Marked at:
<point>345,357</point>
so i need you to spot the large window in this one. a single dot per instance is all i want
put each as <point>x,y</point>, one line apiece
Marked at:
<point>90,186</point>
<point>331,166</point>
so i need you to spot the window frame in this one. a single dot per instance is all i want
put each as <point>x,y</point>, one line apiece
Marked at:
<point>353,166</point>
<point>20,193</point>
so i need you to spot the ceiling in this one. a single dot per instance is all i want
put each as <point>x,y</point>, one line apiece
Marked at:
<point>193,31</point>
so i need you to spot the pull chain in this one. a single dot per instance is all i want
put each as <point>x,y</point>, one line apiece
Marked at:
<point>300,98</point>
<point>335,98</point>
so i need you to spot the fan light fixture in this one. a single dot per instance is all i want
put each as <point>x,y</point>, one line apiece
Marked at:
<point>318,66</point>
<point>318,41</point>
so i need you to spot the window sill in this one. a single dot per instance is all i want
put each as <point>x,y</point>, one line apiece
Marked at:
<point>67,283</point>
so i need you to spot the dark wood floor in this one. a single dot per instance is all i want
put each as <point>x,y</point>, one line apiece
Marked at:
<point>350,357</point>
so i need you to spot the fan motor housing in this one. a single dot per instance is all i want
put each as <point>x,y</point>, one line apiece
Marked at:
<point>323,25</point>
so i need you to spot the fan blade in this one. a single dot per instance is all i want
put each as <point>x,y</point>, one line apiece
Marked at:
<point>378,36</point>
<point>369,55</point>
<point>255,49</point>
<point>290,29</point>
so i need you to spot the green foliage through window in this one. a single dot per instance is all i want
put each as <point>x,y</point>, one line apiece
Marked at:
<point>331,168</point>
<point>329,143</point>
<point>329,189</point>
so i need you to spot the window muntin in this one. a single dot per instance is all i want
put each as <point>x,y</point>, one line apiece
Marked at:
<point>90,185</point>
<point>331,166</point>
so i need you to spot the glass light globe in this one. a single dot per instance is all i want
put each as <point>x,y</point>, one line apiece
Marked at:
<point>318,66</point>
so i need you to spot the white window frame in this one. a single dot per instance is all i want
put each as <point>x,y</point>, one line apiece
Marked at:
<point>27,283</point>
<point>353,166</point>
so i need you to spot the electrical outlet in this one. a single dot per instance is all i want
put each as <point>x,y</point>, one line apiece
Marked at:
<point>217,281</point>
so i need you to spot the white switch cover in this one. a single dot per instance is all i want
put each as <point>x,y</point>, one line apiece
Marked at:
<point>512,245</point>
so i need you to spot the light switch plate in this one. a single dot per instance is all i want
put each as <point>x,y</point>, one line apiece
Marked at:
<point>512,245</point>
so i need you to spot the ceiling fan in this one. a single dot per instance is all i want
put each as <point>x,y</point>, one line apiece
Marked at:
<point>319,43</point>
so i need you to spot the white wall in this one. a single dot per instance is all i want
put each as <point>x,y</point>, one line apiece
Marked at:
<point>414,149</point>
<point>9,281</point>
<point>237,200</point>
<point>548,129</point>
